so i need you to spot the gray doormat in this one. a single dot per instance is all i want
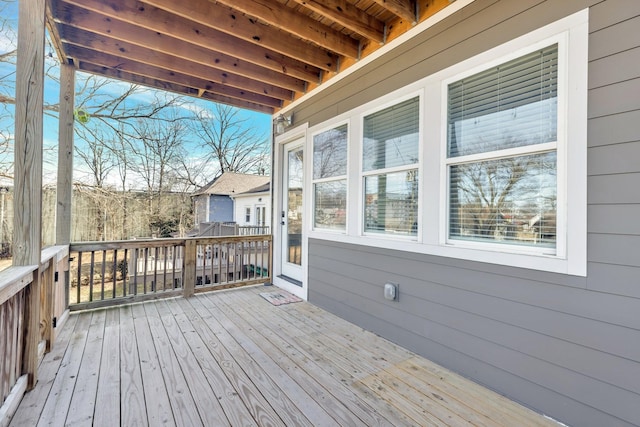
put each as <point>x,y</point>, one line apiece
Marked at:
<point>280,297</point>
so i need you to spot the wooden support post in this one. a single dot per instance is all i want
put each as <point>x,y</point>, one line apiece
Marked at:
<point>65,155</point>
<point>64,189</point>
<point>190,257</point>
<point>28,134</point>
<point>27,224</point>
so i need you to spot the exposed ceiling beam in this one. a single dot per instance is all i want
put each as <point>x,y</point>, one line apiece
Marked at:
<point>148,74</point>
<point>405,9</point>
<point>237,24</point>
<point>163,22</point>
<point>94,47</point>
<point>349,16</point>
<point>118,30</point>
<point>174,87</point>
<point>285,18</point>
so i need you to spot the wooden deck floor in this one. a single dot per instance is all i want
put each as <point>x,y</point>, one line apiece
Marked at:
<point>231,358</point>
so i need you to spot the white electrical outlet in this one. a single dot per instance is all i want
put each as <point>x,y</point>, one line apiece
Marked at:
<point>391,291</point>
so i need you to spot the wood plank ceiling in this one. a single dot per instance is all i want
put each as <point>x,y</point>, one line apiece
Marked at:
<point>253,54</point>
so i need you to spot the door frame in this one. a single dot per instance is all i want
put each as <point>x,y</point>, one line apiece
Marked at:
<point>291,270</point>
<point>278,173</point>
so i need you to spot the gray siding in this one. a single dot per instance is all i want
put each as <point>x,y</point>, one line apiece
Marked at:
<point>565,346</point>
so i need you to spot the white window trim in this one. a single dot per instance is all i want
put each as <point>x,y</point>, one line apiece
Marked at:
<point>312,135</point>
<point>571,254</point>
<point>372,108</point>
<point>474,66</point>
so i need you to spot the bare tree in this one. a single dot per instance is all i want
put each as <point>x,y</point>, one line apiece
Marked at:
<point>158,153</point>
<point>231,140</point>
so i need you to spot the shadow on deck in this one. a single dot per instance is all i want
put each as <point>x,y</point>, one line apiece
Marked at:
<point>231,358</point>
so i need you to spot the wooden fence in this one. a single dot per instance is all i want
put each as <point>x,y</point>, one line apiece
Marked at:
<point>107,273</point>
<point>32,301</point>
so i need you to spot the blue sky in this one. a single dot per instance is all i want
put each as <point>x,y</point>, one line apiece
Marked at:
<point>260,122</point>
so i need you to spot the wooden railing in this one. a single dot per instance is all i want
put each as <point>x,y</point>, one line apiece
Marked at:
<point>107,273</point>
<point>250,230</point>
<point>224,262</point>
<point>31,302</point>
<point>217,229</point>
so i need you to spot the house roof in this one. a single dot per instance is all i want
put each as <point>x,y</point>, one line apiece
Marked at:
<point>254,54</point>
<point>264,188</point>
<point>231,183</point>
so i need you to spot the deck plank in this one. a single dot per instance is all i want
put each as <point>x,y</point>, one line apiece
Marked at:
<point>284,388</point>
<point>221,388</point>
<point>34,401</point>
<point>312,388</point>
<point>84,396</point>
<point>441,397</point>
<point>335,365</point>
<point>207,406</point>
<point>57,406</point>
<point>107,408</point>
<point>285,409</point>
<point>350,404</point>
<point>157,402</point>
<point>131,398</point>
<point>480,399</point>
<point>185,411</point>
<point>232,358</point>
<point>250,395</point>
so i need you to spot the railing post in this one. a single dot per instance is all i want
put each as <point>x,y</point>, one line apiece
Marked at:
<point>47,303</point>
<point>32,331</point>
<point>190,256</point>
<point>270,259</point>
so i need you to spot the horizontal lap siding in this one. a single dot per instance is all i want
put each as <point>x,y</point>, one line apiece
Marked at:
<point>614,148</point>
<point>566,346</point>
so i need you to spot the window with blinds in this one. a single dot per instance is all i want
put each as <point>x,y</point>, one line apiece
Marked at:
<point>330,178</point>
<point>501,152</point>
<point>390,169</point>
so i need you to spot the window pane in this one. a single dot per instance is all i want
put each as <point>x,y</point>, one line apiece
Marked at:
<point>512,105</point>
<point>330,153</point>
<point>391,136</point>
<point>511,201</point>
<point>391,203</point>
<point>331,205</point>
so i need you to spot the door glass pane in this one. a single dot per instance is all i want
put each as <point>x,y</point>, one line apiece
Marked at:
<point>294,207</point>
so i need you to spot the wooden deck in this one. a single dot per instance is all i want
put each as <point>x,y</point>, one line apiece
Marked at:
<point>232,358</point>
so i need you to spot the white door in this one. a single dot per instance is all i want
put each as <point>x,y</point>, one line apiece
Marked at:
<point>291,212</point>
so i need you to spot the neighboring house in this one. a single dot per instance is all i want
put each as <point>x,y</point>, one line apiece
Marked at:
<point>253,207</point>
<point>215,201</point>
<point>465,158</point>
